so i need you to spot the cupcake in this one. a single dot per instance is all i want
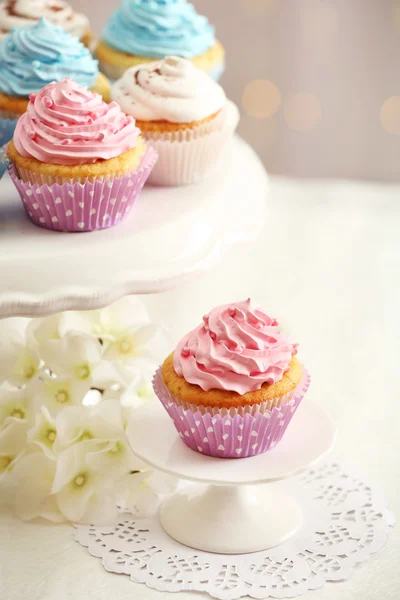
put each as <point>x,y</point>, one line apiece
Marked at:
<point>182,113</point>
<point>142,31</point>
<point>77,162</point>
<point>31,57</point>
<point>18,13</point>
<point>233,384</point>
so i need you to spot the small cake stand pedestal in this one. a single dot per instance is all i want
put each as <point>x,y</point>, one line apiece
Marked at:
<point>231,512</point>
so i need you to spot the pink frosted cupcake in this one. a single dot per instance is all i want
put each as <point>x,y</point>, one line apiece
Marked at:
<point>233,384</point>
<point>77,162</point>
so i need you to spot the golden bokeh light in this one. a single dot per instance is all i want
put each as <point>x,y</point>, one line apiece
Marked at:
<point>259,8</point>
<point>261,99</point>
<point>302,112</point>
<point>390,115</point>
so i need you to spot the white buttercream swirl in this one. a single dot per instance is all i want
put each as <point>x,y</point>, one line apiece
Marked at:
<point>172,90</point>
<point>19,13</point>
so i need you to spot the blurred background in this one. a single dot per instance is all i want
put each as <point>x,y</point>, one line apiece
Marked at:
<point>317,81</point>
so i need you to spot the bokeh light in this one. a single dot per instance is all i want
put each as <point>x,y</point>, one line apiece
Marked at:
<point>261,99</point>
<point>302,112</point>
<point>259,8</point>
<point>390,115</point>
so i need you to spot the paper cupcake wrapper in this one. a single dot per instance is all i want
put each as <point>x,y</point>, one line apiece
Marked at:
<point>79,207</point>
<point>188,157</point>
<point>4,160</point>
<point>7,128</point>
<point>230,434</point>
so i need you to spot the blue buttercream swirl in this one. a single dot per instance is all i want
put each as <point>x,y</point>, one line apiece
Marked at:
<point>35,55</point>
<point>157,28</point>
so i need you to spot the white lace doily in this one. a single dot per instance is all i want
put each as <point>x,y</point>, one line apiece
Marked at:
<point>345,521</point>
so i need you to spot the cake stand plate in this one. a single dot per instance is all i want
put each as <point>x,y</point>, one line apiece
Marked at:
<point>234,514</point>
<point>170,235</point>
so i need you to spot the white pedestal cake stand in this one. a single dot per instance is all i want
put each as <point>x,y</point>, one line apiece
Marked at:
<point>234,514</point>
<point>170,235</point>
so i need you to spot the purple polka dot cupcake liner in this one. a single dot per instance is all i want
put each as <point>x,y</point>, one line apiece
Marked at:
<point>83,207</point>
<point>230,434</point>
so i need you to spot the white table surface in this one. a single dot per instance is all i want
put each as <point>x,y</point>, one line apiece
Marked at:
<point>327,265</point>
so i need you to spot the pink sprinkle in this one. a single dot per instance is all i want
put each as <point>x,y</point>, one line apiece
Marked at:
<point>185,352</point>
<point>232,312</point>
<point>275,323</point>
<point>32,135</point>
<point>213,336</point>
<point>259,325</point>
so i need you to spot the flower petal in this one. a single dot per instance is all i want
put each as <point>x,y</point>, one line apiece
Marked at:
<point>115,460</point>
<point>144,502</point>
<point>71,463</point>
<point>101,509</point>
<point>34,475</point>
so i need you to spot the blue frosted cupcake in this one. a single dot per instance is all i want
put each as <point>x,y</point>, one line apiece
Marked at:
<point>142,31</point>
<point>33,56</point>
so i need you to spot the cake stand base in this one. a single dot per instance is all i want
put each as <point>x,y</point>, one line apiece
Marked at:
<point>234,513</point>
<point>230,520</point>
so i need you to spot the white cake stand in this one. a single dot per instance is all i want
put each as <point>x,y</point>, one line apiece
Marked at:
<point>170,235</point>
<point>234,514</point>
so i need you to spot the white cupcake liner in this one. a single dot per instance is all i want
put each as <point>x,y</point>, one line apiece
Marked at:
<point>186,157</point>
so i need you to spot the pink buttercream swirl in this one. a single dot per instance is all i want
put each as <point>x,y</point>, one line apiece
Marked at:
<point>67,124</point>
<point>238,347</point>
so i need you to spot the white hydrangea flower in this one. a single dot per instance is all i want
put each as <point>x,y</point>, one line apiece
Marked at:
<point>103,425</point>
<point>34,475</point>
<point>44,433</point>
<point>145,491</point>
<point>75,355</point>
<point>133,390</point>
<point>12,446</point>
<point>107,323</point>
<point>58,392</point>
<point>15,405</point>
<point>19,363</point>
<point>54,327</point>
<point>124,328</point>
<point>134,386</point>
<point>82,423</point>
<point>130,344</point>
<point>83,495</point>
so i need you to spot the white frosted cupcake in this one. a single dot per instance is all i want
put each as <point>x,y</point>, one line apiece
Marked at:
<point>19,13</point>
<point>182,113</point>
